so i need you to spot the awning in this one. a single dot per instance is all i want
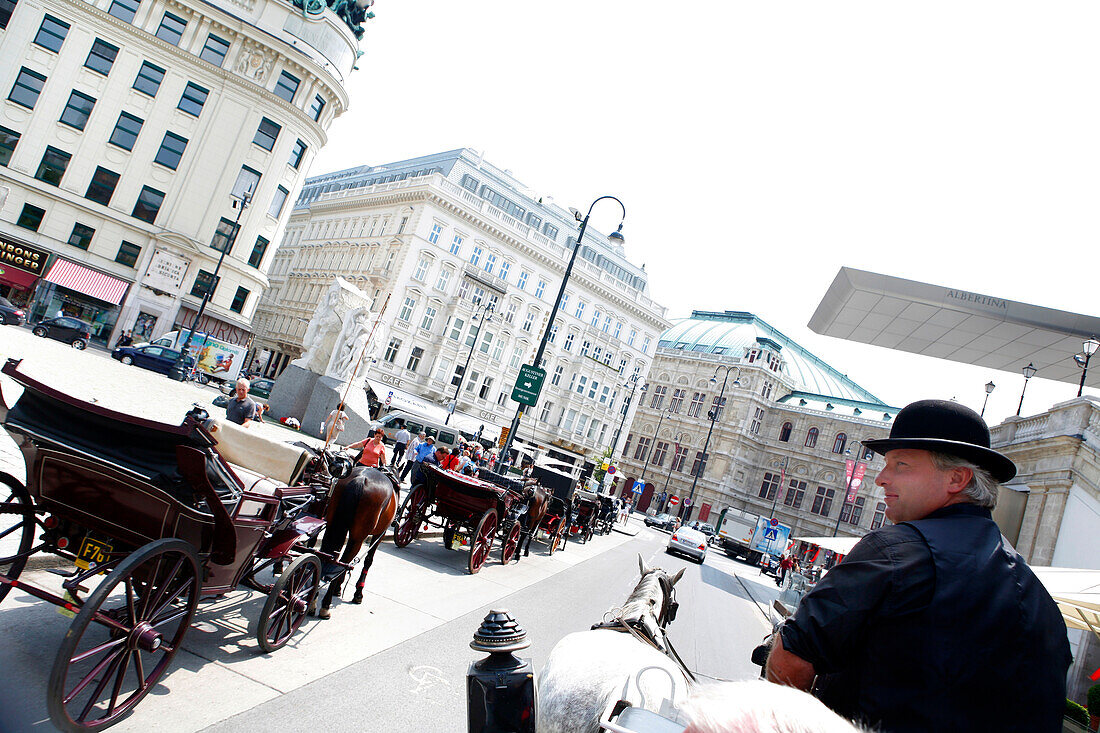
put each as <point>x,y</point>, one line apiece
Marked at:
<point>1077,593</point>
<point>19,278</point>
<point>87,281</point>
<point>839,545</point>
<point>407,401</point>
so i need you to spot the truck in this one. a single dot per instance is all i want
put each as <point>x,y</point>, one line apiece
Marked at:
<point>751,536</point>
<point>217,359</point>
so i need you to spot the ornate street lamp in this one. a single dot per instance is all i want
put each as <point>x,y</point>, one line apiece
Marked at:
<point>1088,348</point>
<point>488,307</point>
<point>713,415</point>
<point>1029,372</point>
<point>989,387</point>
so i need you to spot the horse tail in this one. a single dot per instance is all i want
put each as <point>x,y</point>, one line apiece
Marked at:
<point>344,514</point>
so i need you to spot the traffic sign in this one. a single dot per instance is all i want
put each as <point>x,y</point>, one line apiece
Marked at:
<point>771,534</point>
<point>673,500</point>
<point>639,487</point>
<point>389,398</point>
<point>528,385</point>
<point>774,522</point>
<point>503,438</point>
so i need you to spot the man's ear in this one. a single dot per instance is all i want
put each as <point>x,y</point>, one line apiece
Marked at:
<point>959,478</point>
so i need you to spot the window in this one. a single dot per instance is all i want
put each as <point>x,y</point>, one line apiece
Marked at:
<point>552,335</point>
<point>77,110</point>
<point>124,10</point>
<point>645,345</point>
<point>852,513</point>
<point>148,79</point>
<point>580,309</point>
<point>633,335</point>
<point>277,202</point>
<point>171,29</point>
<point>595,317</point>
<point>51,34</point>
<point>700,464</point>
<point>504,268</point>
<point>796,491</point>
<point>517,357</point>
<point>204,282</point>
<point>126,131</point>
<point>696,406</point>
<point>266,134</point>
<point>823,502</point>
<point>429,318</point>
<point>296,154</point>
<point>171,150</point>
<point>148,204</point>
<point>456,245</point>
<point>658,400</point>
<point>811,438</point>
<point>476,256</point>
<point>258,251</point>
<point>8,140</point>
<point>546,408</point>
<point>585,347</point>
<point>717,407</point>
<point>490,263</point>
<point>593,389</point>
<point>128,254</point>
<point>101,57</point>
<point>407,309</point>
<point>757,421</point>
<point>316,108</point>
<point>30,217</point>
<point>457,325</point>
<point>214,50</point>
<point>415,356</point>
<point>529,321</point>
<point>223,235</point>
<point>486,385</point>
<point>550,230</point>
<point>102,186</point>
<point>840,442</point>
<point>391,350</point>
<point>607,324</point>
<point>81,236</point>
<point>28,85</point>
<point>7,7</point>
<point>659,453</point>
<point>559,370</point>
<point>433,236</point>
<point>678,458</point>
<point>677,400</point>
<point>618,328</point>
<point>239,300</point>
<point>785,432</point>
<point>287,86</point>
<point>770,486</point>
<point>53,165</point>
<point>540,288</point>
<point>192,99</point>
<point>247,181</point>
<point>444,279</point>
<point>421,269</point>
<point>879,516</point>
<point>568,345</point>
<point>456,379</point>
<point>642,450</point>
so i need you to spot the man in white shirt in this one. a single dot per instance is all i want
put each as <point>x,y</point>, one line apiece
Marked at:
<point>334,424</point>
<point>400,444</point>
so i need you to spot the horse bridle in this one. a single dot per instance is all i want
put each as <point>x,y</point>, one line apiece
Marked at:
<point>669,605</point>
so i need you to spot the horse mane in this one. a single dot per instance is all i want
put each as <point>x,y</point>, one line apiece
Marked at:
<point>645,599</point>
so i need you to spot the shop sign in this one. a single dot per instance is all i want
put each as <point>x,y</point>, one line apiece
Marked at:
<point>23,256</point>
<point>166,271</point>
<point>393,381</point>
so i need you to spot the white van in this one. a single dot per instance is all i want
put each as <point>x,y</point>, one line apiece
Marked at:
<point>445,435</point>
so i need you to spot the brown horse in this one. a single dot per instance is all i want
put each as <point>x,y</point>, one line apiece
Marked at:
<point>361,506</point>
<point>537,502</point>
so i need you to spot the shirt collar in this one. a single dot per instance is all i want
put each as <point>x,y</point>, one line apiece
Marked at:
<point>971,510</point>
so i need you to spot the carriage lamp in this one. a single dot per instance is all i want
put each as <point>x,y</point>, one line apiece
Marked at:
<point>500,689</point>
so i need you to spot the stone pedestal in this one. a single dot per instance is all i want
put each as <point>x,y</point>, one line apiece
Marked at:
<point>309,397</point>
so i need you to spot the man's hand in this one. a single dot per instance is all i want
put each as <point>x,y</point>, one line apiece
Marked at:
<point>787,668</point>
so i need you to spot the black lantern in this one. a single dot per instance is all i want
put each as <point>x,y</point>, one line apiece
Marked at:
<point>500,689</point>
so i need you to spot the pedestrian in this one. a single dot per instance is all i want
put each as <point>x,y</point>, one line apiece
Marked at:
<point>447,460</point>
<point>934,623</point>
<point>124,340</point>
<point>400,444</point>
<point>373,451</point>
<point>241,409</point>
<point>334,424</point>
<point>425,447</point>
<point>261,410</point>
<point>785,566</point>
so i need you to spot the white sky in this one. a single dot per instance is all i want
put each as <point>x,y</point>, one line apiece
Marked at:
<point>760,146</point>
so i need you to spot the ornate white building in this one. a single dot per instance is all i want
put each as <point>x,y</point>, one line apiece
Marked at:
<point>126,129</point>
<point>445,237</point>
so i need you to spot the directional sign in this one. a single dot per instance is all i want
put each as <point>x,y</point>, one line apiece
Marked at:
<point>771,534</point>
<point>528,385</point>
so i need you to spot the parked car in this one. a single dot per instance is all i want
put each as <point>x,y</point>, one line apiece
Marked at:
<point>154,358</point>
<point>72,331</point>
<point>690,542</point>
<point>11,314</point>
<point>706,528</point>
<point>769,565</point>
<point>661,521</point>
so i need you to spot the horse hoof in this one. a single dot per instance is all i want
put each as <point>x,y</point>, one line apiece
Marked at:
<point>324,614</point>
<point>357,599</point>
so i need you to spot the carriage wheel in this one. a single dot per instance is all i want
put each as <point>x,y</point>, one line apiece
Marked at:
<point>16,519</point>
<point>482,541</point>
<point>555,538</point>
<point>409,516</point>
<point>511,544</point>
<point>288,602</point>
<point>103,669</point>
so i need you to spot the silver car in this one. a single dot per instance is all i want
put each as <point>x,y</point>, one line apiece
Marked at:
<point>690,542</point>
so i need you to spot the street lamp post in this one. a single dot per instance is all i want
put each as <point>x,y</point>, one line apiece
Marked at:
<point>848,488</point>
<point>616,238</point>
<point>179,371</point>
<point>675,452</point>
<point>656,432</point>
<point>989,387</point>
<point>1029,372</point>
<point>713,415</point>
<point>633,384</point>
<point>485,319</point>
<point>1088,348</point>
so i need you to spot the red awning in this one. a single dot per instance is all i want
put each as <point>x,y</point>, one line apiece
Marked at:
<point>19,278</point>
<point>85,280</point>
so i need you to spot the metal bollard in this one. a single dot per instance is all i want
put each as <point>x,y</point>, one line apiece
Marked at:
<point>500,689</point>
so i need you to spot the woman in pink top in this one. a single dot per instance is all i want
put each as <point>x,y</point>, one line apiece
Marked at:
<point>374,453</point>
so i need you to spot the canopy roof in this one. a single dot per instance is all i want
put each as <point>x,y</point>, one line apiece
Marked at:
<point>839,545</point>
<point>1077,593</point>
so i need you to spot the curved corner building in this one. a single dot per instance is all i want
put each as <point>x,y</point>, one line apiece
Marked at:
<point>129,129</point>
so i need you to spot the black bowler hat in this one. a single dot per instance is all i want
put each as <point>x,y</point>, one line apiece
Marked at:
<point>945,427</point>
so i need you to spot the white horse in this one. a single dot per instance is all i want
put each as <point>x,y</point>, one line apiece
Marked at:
<point>588,671</point>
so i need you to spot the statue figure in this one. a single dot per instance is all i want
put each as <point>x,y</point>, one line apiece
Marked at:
<point>325,320</point>
<point>350,344</point>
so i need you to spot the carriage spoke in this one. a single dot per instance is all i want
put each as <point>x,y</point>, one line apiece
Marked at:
<point>140,669</point>
<point>154,603</point>
<point>96,650</point>
<point>99,688</point>
<point>125,665</point>
<point>87,680</point>
<point>171,599</point>
<point>174,616</point>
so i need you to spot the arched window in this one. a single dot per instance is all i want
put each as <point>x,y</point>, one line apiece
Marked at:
<point>811,437</point>
<point>840,442</point>
<point>785,432</point>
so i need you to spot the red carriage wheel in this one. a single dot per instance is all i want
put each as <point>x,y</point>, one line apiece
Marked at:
<point>408,518</point>
<point>554,538</point>
<point>288,602</point>
<point>16,520</point>
<point>482,540</point>
<point>112,657</point>
<point>511,543</point>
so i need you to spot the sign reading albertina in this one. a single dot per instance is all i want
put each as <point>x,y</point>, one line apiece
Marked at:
<point>528,385</point>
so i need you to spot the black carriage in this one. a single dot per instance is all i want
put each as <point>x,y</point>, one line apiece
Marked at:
<point>586,510</point>
<point>169,514</point>
<point>605,514</point>
<point>555,523</point>
<point>472,512</point>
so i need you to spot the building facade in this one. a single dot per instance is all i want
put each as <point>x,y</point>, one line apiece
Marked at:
<point>785,425</point>
<point>470,261</point>
<point>130,130</point>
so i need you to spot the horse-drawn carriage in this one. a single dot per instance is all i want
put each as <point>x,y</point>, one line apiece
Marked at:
<point>471,511</point>
<point>606,514</point>
<point>586,509</point>
<point>169,514</point>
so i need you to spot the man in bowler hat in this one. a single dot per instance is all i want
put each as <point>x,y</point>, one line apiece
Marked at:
<point>934,623</point>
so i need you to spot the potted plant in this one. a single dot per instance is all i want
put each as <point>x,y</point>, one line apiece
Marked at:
<point>1094,707</point>
<point>1076,712</point>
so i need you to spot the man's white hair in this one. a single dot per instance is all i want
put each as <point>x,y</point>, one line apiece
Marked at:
<point>242,382</point>
<point>982,489</point>
<point>756,706</point>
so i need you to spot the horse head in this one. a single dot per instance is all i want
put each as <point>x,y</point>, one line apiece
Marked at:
<point>667,586</point>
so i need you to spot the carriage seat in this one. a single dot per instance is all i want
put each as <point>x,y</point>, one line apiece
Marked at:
<point>281,462</point>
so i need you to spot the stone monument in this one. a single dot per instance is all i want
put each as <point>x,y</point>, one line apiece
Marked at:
<point>337,350</point>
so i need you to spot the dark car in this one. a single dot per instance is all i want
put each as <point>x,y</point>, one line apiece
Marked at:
<point>155,358</point>
<point>11,314</point>
<point>63,328</point>
<point>258,389</point>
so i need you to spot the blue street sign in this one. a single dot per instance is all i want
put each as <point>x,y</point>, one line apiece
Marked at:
<point>771,534</point>
<point>638,487</point>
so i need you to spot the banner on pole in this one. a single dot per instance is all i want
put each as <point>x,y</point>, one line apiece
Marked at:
<point>856,482</point>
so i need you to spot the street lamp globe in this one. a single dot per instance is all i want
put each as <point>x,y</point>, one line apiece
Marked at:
<point>989,387</point>
<point>1090,347</point>
<point>1029,371</point>
<point>616,237</point>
